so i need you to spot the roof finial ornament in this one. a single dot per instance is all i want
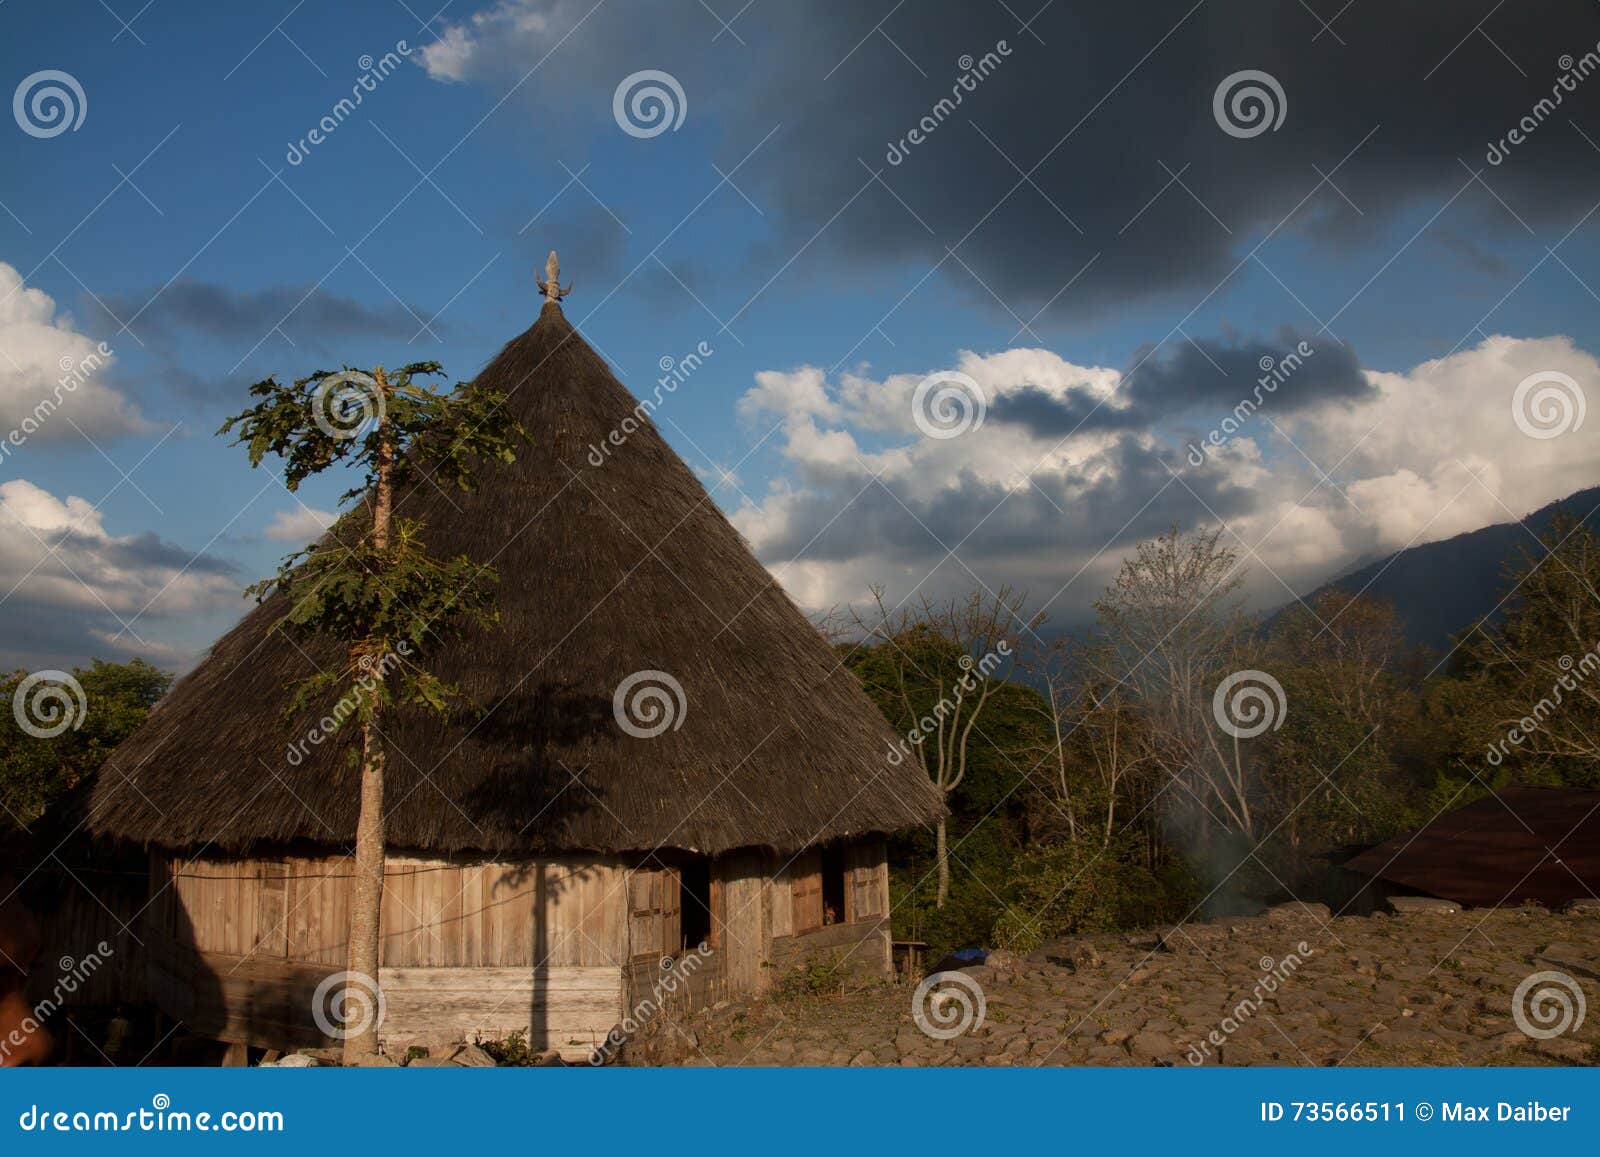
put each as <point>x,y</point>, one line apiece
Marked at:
<point>550,284</point>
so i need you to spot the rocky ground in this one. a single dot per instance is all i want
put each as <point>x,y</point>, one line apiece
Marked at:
<point>1294,986</point>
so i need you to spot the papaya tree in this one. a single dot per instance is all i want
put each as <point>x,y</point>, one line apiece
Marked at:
<point>371,584</point>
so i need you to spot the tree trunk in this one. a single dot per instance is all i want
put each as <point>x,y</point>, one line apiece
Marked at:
<point>366,904</point>
<point>366,898</point>
<point>944,866</point>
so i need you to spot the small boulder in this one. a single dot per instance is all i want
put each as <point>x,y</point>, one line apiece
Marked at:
<point>1421,906</point>
<point>1078,955</point>
<point>472,1057</point>
<point>292,1061</point>
<point>1149,1046</point>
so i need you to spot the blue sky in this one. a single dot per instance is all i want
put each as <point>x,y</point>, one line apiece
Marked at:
<point>172,226</point>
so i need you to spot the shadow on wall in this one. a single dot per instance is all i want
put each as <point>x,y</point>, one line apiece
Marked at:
<point>21,1043</point>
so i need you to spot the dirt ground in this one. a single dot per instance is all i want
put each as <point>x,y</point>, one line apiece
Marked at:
<point>1294,986</point>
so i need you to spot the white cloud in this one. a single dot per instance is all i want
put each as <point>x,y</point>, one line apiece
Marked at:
<point>516,25</point>
<point>302,524</point>
<point>1426,454</point>
<point>51,376</point>
<point>70,587</point>
<point>1438,451</point>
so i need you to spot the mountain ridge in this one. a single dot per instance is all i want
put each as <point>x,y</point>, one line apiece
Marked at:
<point>1440,589</point>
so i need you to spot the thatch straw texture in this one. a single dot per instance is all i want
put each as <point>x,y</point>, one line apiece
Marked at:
<point>606,571</point>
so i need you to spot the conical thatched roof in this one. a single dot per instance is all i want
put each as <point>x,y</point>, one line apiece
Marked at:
<point>605,571</point>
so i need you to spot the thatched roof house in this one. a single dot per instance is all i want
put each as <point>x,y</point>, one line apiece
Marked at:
<point>558,824</point>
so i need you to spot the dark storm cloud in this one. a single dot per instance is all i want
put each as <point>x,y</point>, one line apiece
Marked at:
<point>1126,159</point>
<point>189,309</point>
<point>1067,511</point>
<point>1096,134</point>
<point>1294,371</point>
<point>149,550</point>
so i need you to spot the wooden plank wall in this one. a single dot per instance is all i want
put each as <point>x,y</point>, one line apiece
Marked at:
<point>96,907</point>
<point>270,1002</point>
<point>541,943</point>
<point>436,913</point>
<point>468,947</point>
<point>745,940</point>
<point>568,1009</point>
<point>860,949</point>
<point>863,939</point>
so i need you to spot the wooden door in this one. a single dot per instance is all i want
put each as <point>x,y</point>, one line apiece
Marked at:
<point>805,895</point>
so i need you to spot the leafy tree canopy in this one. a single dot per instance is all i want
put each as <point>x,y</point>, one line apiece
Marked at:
<point>35,772</point>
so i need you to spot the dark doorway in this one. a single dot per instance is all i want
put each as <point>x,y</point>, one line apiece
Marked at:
<point>833,890</point>
<point>696,917</point>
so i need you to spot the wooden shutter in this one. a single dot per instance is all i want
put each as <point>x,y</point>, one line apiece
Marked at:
<point>655,912</point>
<point>671,885</point>
<point>644,912</point>
<point>864,882</point>
<point>805,876</point>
